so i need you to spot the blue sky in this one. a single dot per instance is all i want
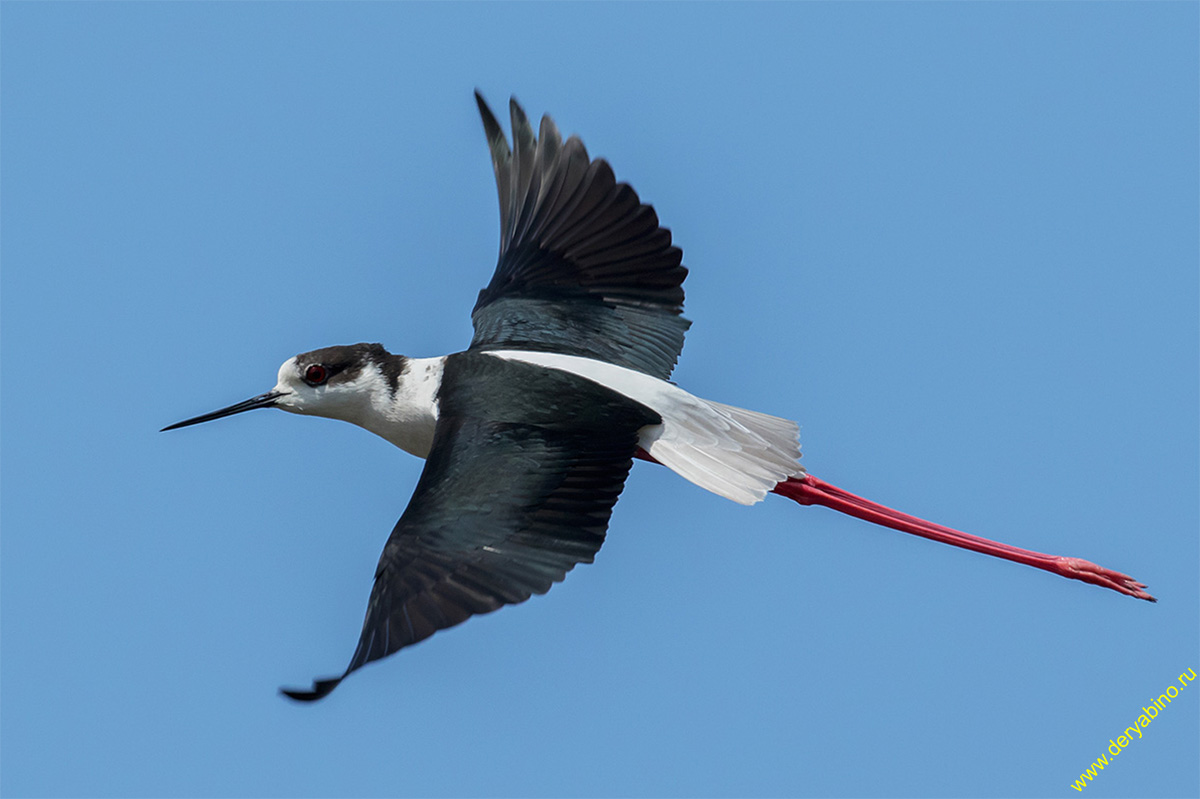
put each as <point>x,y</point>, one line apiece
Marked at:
<point>957,242</point>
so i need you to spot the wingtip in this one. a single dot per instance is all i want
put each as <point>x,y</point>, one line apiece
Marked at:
<point>517,113</point>
<point>320,690</point>
<point>548,135</point>
<point>491,127</point>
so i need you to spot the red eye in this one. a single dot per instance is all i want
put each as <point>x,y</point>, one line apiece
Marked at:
<point>315,375</point>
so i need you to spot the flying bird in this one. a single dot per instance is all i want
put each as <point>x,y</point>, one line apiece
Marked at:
<point>529,434</point>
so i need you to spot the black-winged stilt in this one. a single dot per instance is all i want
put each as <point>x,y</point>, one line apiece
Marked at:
<point>529,434</point>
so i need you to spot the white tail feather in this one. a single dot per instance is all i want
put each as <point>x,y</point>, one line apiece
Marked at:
<point>736,453</point>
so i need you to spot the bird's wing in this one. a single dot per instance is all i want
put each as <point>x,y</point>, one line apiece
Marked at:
<point>517,489</point>
<point>584,269</point>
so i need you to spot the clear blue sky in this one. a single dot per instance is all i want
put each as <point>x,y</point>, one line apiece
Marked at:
<point>957,242</point>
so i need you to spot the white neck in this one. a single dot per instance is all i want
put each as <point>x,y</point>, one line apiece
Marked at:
<point>408,417</point>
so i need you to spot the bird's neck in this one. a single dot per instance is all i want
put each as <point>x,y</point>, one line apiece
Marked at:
<point>404,409</point>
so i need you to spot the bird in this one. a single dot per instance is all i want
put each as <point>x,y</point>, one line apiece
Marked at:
<point>529,434</point>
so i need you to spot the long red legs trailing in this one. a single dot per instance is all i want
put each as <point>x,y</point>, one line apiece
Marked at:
<point>809,490</point>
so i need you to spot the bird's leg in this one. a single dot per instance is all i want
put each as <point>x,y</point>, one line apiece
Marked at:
<point>808,490</point>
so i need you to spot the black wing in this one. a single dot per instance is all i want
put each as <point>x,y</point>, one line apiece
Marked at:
<point>585,269</point>
<point>526,466</point>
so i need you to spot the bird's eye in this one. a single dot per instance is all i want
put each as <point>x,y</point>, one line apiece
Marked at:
<point>315,375</point>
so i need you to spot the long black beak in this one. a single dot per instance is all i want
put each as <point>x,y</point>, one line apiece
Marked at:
<point>261,401</point>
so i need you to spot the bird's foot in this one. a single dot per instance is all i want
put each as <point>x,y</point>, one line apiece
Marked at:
<point>1080,569</point>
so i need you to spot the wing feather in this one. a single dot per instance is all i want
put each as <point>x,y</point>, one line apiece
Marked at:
<point>585,267</point>
<point>526,466</point>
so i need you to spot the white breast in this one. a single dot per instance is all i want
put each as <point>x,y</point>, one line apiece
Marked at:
<point>733,452</point>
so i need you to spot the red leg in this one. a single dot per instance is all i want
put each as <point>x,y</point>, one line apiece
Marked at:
<point>808,490</point>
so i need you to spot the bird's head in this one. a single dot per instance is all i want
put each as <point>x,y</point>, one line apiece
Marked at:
<point>334,382</point>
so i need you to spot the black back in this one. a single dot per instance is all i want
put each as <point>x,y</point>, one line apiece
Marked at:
<point>584,268</point>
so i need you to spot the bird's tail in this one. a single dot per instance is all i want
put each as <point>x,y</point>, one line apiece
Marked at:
<point>733,452</point>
